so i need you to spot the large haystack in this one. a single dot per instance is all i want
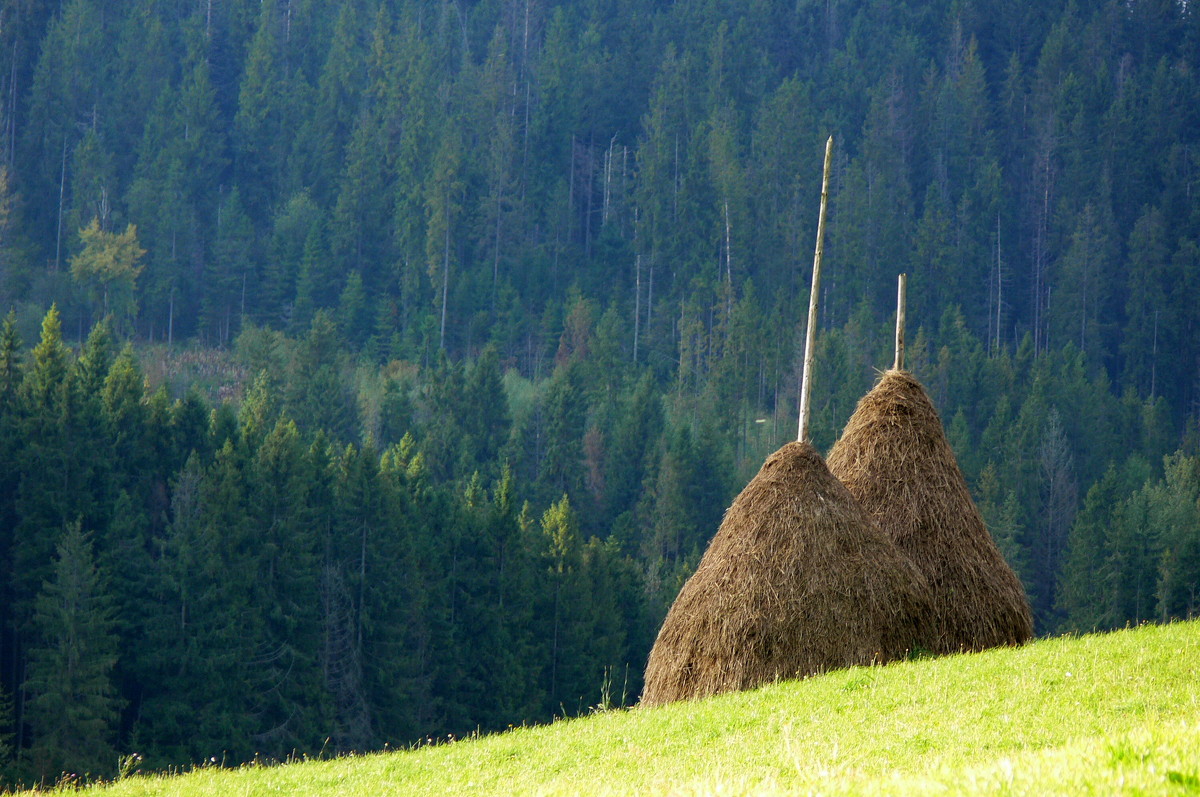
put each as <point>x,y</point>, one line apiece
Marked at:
<point>796,581</point>
<point>894,457</point>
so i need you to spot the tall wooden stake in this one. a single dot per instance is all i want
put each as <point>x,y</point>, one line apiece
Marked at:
<point>901,299</point>
<point>806,381</point>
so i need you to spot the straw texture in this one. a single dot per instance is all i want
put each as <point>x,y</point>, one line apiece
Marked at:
<point>894,458</point>
<point>796,581</point>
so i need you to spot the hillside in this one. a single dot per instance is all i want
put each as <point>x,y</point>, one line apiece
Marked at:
<point>1098,714</point>
<point>377,370</point>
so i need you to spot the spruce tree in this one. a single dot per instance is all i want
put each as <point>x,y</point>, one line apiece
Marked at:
<point>284,675</point>
<point>10,464</point>
<point>73,705</point>
<point>49,493</point>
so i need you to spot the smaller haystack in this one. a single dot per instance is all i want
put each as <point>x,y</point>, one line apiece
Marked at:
<point>894,458</point>
<point>796,581</point>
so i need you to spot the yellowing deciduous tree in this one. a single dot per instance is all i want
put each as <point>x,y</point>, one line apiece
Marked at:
<point>107,267</point>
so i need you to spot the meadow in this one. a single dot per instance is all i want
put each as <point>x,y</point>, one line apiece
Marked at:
<point>1096,714</point>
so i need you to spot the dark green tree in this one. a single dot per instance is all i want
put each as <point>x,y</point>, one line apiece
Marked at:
<point>229,277</point>
<point>1175,509</point>
<point>318,395</point>
<point>73,704</point>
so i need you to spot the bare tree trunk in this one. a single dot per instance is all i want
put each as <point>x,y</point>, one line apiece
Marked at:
<point>496,251</point>
<point>587,218</point>
<point>637,303</point>
<point>650,296</point>
<point>445,280</point>
<point>901,297</point>
<point>11,154</point>
<point>728,246</point>
<point>62,182</point>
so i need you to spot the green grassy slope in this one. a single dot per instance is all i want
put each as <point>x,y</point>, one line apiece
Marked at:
<point>1097,714</point>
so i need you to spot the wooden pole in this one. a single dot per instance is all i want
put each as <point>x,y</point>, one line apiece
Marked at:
<point>806,381</point>
<point>901,299</point>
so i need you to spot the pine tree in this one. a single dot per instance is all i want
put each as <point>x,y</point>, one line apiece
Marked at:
<point>561,468</point>
<point>318,397</point>
<point>444,206</point>
<point>283,672</point>
<point>49,494</point>
<point>562,550</point>
<point>127,422</point>
<point>1084,293</point>
<point>353,319</point>
<point>229,276</point>
<point>485,409</point>
<point>1175,511</point>
<point>73,704</point>
<point>358,240</point>
<point>289,235</point>
<point>93,188</point>
<point>10,465</point>
<point>321,140</point>
<point>6,734</point>
<point>1082,596</point>
<point>264,113</point>
<point>67,82</point>
<point>313,279</point>
<point>1146,294</point>
<point>208,697</point>
<point>1133,547</point>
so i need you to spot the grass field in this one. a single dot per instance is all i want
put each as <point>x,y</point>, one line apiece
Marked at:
<point>1101,714</point>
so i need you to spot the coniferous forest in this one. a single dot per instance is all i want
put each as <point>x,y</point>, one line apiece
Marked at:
<point>378,370</point>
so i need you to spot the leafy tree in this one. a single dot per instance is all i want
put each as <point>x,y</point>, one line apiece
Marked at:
<point>108,266</point>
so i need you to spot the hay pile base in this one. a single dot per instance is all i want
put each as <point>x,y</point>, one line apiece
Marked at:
<point>796,581</point>
<point>894,457</point>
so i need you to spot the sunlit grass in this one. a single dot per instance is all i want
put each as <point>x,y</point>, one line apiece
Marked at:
<point>1096,714</point>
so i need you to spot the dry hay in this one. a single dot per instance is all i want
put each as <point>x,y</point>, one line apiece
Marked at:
<point>796,581</point>
<point>894,457</point>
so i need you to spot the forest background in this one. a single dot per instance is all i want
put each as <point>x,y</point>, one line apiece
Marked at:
<point>377,370</point>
